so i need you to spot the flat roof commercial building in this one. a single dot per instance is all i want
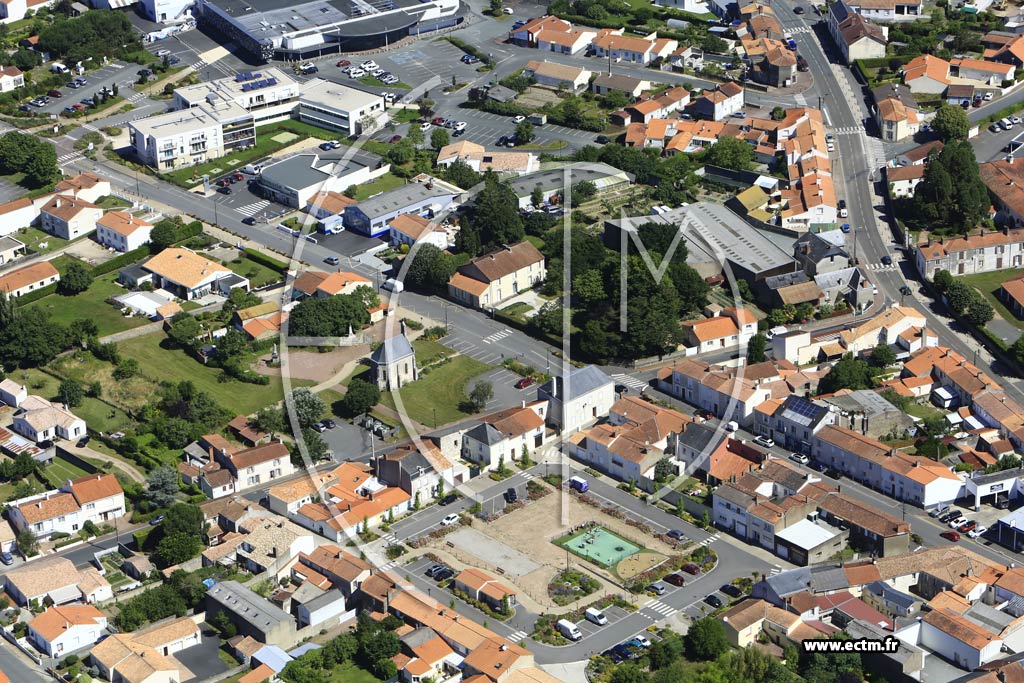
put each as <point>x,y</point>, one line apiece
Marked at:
<point>295,180</point>
<point>338,107</point>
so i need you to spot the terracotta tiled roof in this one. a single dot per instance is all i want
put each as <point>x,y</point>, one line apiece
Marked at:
<point>184,267</point>
<point>926,66</point>
<point>66,208</point>
<point>37,272</point>
<point>59,618</point>
<point>122,223</point>
<point>50,507</point>
<point>959,628</point>
<point>95,487</point>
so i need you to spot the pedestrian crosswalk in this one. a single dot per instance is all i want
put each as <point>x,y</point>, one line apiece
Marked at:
<point>517,636</point>
<point>389,539</point>
<point>528,475</point>
<point>709,540</point>
<point>660,608</point>
<point>497,336</point>
<point>69,157</point>
<point>849,130</point>
<point>776,569</point>
<point>798,29</point>
<point>252,209</point>
<point>882,266</point>
<point>631,382</point>
<point>89,126</point>
<point>387,567</point>
<point>135,97</point>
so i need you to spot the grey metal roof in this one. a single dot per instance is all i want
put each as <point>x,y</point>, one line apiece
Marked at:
<point>305,170</point>
<point>486,433</point>
<point>890,594</point>
<point>697,436</point>
<point>848,278</point>
<point>554,178</point>
<point>392,349</point>
<point>414,464</point>
<point>400,198</point>
<point>582,381</point>
<point>863,400</point>
<point>897,91</point>
<point>982,479</point>
<point>327,598</point>
<point>134,272</point>
<point>828,578</point>
<point>785,279</point>
<point>247,605</point>
<point>862,629</point>
<point>790,582</point>
<point>8,242</point>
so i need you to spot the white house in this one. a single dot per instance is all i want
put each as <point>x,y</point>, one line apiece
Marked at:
<point>613,44</point>
<point>504,434</point>
<point>63,629</point>
<point>492,278</point>
<point>68,217</point>
<point>29,279</point>
<point>982,71</point>
<point>903,180</point>
<point>722,102</point>
<point>957,638</point>
<point>99,495</point>
<point>480,159</point>
<point>52,576</point>
<point>980,252</point>
<point>87,186</point>
<point>122,231</point>
<point>96,498</point>
<point>12,393</point>
<point>721,390</point>
<point>258,465</point>
<point>725,328</point>
<point>555,75</point>
<point>577,398</point>
<point>42,420</point>
<point>11,78</point>
<point>410,228</point>
<point>185,274</point>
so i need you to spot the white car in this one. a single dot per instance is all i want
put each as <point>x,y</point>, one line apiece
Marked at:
<point>988,97</point>
<point>449,520</point>
<point>163,53</point>
<point>764,441</point>
<point>800,458</point>
<point>643,641</point>
<point>425,126</point>
<point>507,10</point>
<point>956,521</point>
<point>460,125</point>
<point>356,73</point>
<point>977,532</point>
<point>368,65</point>
<point>1016,119</point>
<point>519,119</point>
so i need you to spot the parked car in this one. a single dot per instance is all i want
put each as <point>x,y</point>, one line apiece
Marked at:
<point>764,441</point>
<point>798,10</point>
<point>714,601</point>
<point>675,579</point>
<point>845,227</point>
<point>843,211</point>
<point>433,569</point>
<point>449,520</point>
<point>691,568</point>
<point>524,382</point>
<point>163,53</point>
<point>156,521</point>
<point>329,423</point>
<point>948,516</point>
<point>448,500</point>
<point>519,119</point>
<point>74,85</point>
<point>657,588</point>
<point>173,59</point>
<point>7,558</point>
<point>55,93</point>
<point>676,535</point>
<point>444,574</point>
<point>83,441</point>
<point>425,126</point>
<point>638,641</point>
<point>956,521</point>
<point>800,458</point>
<point>988,97</point>
<point>905,291</point>
<point>938,512</point>
<point>395,138</point>
<point>977,532</point>
<point>511,495</point>
<point>368,65</point>
<point>343,63</point>
<point>224,190</point>
<point>968,526</point>
<point>950,536</point>
<point>332,260</point>
<point>731,590</point>
<point>326,146</point>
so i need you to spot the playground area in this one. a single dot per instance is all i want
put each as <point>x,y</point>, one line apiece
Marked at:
<point>598,545</point>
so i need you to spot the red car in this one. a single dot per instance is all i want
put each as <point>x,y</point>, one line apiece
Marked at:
<point>950,535</point>
<point>675,579</point>
<point>343,63</point>
<point>969,525</point>
<point>524,382</point>
<point>395,138</point>
<point>438,121</point>
<point>691,568</point>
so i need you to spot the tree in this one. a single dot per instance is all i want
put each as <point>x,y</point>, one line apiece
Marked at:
<point>270,420</point>
<point>185,331</point>
<point>404,151</point>
<point>75,279</point>
<point>27,542</point>
<point>177,548</point>
<point>238,299</point>
<point>316,447</point>
<point>979,311</point>
<point>308,406</point>
<point>183,518</point>
<point>942,279</point>
<point>951,123</point>
<point>583,192</point>
<point>429,270</point>
<point>706,639</point>
<point>360,397</point>
<point>439,138</point>
<point>496,214</point>
<point>536,195</point>
<point>524,133</point>
<point>340,649</point>
<point>951,197</point>
<point>495,7</point>
<point>163,486</point>
<point>163,234</point>
<point>480,395</point>
<point>126,368</point>
<point>832,667</point>
<point>628,672</point>
<point>83,330</point>
<point>31,339</point>
<point>882,356</point>
<point>334,316</point>
<point>731,153</point>
<point>71,393</point>
<point>414,136</point>
<point>664,469</point>
<point>1017,350</point>
<point>848,373</point>
<point>959,296</point>
<point>459,173</point>
<point>778,113</point>
<point>755,349</point>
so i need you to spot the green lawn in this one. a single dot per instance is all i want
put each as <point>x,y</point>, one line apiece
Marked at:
<point>350,673</point>
<point>60,470</point>
<point>258,274</point>
<point>265,146</point>
<point>517,311</point>
<point>374,83</point>
<point>111,202</point>
<point>381,184</point>
<point>329,397</point>
<point>159,364</point>
<point>33,237</point>
<point>361,370</point>
<point>988,284</point>
<point>925,411</point>
<point>405,116</point>
<point>429,351</point>
<point>100,416</point>
<point>443,389</point>
<point>535,241</point>
<point>91,304</point>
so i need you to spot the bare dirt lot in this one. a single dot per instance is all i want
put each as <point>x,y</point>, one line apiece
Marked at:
<point>530,531</point>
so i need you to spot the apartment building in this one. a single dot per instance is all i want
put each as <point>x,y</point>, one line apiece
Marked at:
<point>206,131</point>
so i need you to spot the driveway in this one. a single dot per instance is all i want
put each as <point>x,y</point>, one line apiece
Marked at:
<point>201,662</point>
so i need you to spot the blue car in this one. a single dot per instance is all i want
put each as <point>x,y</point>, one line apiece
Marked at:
<point>846,227</point>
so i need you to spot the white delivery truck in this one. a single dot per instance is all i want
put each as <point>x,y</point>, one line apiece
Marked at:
<point>569,629</point>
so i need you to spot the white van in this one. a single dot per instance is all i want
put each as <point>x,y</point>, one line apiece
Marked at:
<point>569,629</point>
<point>58,68</point>
<point>393,285</point>
<point>1007,123</point>
<point>595,616</point>
<point>253,169</point>
<point>731,426</point>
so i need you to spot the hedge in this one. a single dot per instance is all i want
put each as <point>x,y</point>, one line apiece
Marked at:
<point>264,260</point>
<point>123,261</point>
<point>471,49</point>
<point>46,291</point>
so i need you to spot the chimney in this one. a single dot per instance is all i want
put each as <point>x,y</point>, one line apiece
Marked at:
<point>503,647</point>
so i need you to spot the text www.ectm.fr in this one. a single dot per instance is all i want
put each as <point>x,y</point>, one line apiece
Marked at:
<point>888,644</point>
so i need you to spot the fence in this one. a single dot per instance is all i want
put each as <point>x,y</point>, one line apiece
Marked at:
<point>24,648</point>
<point>76,461</point>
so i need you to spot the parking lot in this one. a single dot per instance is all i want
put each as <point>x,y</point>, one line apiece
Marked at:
<point>116,72</point>
<point>413,65</point>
